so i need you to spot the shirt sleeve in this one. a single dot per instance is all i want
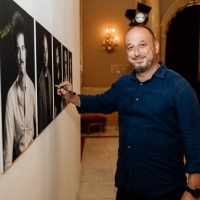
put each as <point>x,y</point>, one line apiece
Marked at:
<point>105,103</point>
<point>8,133</point>
<point>189,119</point>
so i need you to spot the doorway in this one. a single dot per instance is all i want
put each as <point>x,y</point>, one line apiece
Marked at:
<point>183,45</point>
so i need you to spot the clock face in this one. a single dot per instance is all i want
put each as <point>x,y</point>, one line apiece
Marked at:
<point>140,17</point>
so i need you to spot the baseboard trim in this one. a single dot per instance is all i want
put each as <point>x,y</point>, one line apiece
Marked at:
<point>112,128</point>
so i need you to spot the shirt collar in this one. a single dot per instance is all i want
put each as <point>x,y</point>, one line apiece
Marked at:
<point>160,72</point>
<point>18,84</point>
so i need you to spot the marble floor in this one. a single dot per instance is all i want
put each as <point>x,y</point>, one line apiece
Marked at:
<point>99,158</point>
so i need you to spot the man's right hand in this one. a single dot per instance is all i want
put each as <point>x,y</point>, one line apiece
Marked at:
<point>75,99</point>
<point>62,91</point>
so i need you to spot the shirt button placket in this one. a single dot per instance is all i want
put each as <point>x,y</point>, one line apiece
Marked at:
<point>129,153</point>
<point>137,99</point>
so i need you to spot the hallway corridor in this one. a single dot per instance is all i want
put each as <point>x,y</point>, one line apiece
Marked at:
<point>99,159</point>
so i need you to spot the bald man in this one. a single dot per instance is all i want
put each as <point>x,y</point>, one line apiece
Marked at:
<point>159,124</point>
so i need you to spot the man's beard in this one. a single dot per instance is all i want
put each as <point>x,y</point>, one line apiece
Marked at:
<point>21,75</point>
<point>21,72</point>
<point>140,68</point>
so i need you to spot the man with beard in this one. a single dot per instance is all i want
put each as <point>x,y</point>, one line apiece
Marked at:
<point>57,79</point>
<point>65,75</point>
<point>45,103</point>
<point>20,103</point>
<point>159,124</point>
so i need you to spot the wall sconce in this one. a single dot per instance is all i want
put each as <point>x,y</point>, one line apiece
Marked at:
<point>110,43</point>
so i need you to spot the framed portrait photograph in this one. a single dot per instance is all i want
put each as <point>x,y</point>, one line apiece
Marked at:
<point>18,95</point>
<point>65,68</point>
<point>70,67</point>
<point>57,73</point>
<point>44,77</point>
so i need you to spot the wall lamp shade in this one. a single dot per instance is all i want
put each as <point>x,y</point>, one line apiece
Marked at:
<point>110,42</point>
<point>138,16</point>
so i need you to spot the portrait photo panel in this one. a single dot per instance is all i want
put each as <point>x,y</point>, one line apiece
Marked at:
<point>57,71</point>
<point>18,94</point>
<point>70,67</point>
<point>44,77</point>
<point>65,68</point>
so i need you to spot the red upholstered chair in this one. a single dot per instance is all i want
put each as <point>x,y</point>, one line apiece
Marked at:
<point>93,120</point>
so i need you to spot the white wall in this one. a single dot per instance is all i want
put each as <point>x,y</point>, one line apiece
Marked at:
<point>49,168</point>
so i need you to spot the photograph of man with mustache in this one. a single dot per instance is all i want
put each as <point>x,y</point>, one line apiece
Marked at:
<point>19,128</point>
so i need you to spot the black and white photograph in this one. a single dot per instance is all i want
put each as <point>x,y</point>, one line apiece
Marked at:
<point>70,67</point>
<point>65,68</point>
<point>44,77</point>
<point>65,52</point>
<point>57,68</point>
<point>17,81</point>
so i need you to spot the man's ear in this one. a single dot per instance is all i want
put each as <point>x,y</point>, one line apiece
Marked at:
<point>156,45</point>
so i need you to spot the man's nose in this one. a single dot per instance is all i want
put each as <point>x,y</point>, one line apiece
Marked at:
<point>21,55</point>
<point>45,56</point>
<point>137,51</point>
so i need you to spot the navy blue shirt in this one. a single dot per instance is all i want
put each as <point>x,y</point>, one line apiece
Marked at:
<point>159,123</point>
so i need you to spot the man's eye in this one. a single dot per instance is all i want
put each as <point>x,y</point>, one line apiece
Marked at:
<point>130,48</point>
<point>142,45</point>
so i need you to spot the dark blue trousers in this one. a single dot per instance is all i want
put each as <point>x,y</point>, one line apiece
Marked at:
<point>176,194</point>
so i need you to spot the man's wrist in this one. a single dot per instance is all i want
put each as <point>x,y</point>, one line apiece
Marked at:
<point>75,99</point>
<point>195,192</point>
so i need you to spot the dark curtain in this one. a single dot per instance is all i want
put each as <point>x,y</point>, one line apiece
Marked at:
<point>182,49</point>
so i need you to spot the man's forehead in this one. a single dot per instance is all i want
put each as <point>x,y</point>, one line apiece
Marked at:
<point>20,35</point>
<point>45,40</point>
<point>138,33</point>
<point>20,38</point>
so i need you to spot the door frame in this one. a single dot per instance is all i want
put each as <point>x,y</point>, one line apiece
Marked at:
<point>172,10</point>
